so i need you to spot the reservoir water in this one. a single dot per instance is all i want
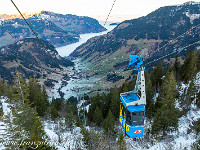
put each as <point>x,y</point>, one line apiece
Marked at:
<point>68,49</point>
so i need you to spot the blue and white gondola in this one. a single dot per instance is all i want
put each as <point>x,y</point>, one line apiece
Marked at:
<point>132,105</point>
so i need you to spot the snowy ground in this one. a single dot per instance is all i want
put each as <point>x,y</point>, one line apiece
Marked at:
<point>63,138</point>
<point>77,85</point>
<point>3,125</point>
<point>58,135</point>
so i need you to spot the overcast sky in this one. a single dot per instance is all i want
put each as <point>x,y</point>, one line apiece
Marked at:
<point>99,9</point>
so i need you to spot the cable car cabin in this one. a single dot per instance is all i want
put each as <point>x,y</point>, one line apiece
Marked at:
<point>132,105</point>
<point>132,117</point>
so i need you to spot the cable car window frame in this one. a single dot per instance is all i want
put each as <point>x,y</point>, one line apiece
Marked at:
<point>128,117</point>
<point>140,118</point>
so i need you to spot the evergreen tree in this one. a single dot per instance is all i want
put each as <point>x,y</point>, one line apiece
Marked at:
<point>91,139</point>
<point>25,125</point>
<point>21,91</point>
<point>156,76</point>
<point>69,120</point>
<point>109,124</point>
<point>189,68</point>
<point>131,85</point>
<point>196,144</point>
<point>78,122</point>
<point>198,62</point>
<point>125,87</point>
<point>149,96</point>
<point>190,95</point>
<point>121,142</point>
<point>54,113</point>
<point>98,118</point>
<point>37,97</point>
<point>166,118</point>
<point>95,101</point>
<point>2,88</point>
<point>114,102</point>
<point>81,117</point>
<point>106,100</point>
<point>177,68</point>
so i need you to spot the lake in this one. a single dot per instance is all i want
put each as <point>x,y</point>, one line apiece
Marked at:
<point>68,49</point>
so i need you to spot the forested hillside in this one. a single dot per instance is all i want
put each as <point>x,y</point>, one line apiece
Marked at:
<point>32,57</point>
<point>172,112</point>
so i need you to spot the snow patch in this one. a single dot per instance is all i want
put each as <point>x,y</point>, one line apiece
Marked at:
<point>43,16</point>
<point>192,16</point>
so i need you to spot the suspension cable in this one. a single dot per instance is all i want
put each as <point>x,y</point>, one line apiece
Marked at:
<point>172,42</point>
<point>184,48</point>
<point>9,33</point>
<point>109,12</point>
<point>26,21</point>
<point>177,37</point>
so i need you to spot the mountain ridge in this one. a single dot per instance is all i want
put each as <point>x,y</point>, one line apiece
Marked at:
<point>72,23</point>
<point>145,36</point>
<point>55,28</point>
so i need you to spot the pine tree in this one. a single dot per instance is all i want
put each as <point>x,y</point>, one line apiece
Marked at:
<point>81,117</point>
<point>124,87</point>
<point>131,85</point>
<point>114,102</point>
<point>121,141</point>
<point>37,97</point>
<point>25,125</point>
<point>106,100</point>
<point>91,139</point>
<point>177,68</point>
<point>109,124</point>
<point>189,68</point>
<point>69,120</point>
<point>2,88</point>
<point>95,101</point>
<point>166,118</point>
<point>98,118</point>
<point>190,95</point>
<point>21,91</point>
<point>156,76</point>
<point>149,96</point>
<point>54,113</point>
